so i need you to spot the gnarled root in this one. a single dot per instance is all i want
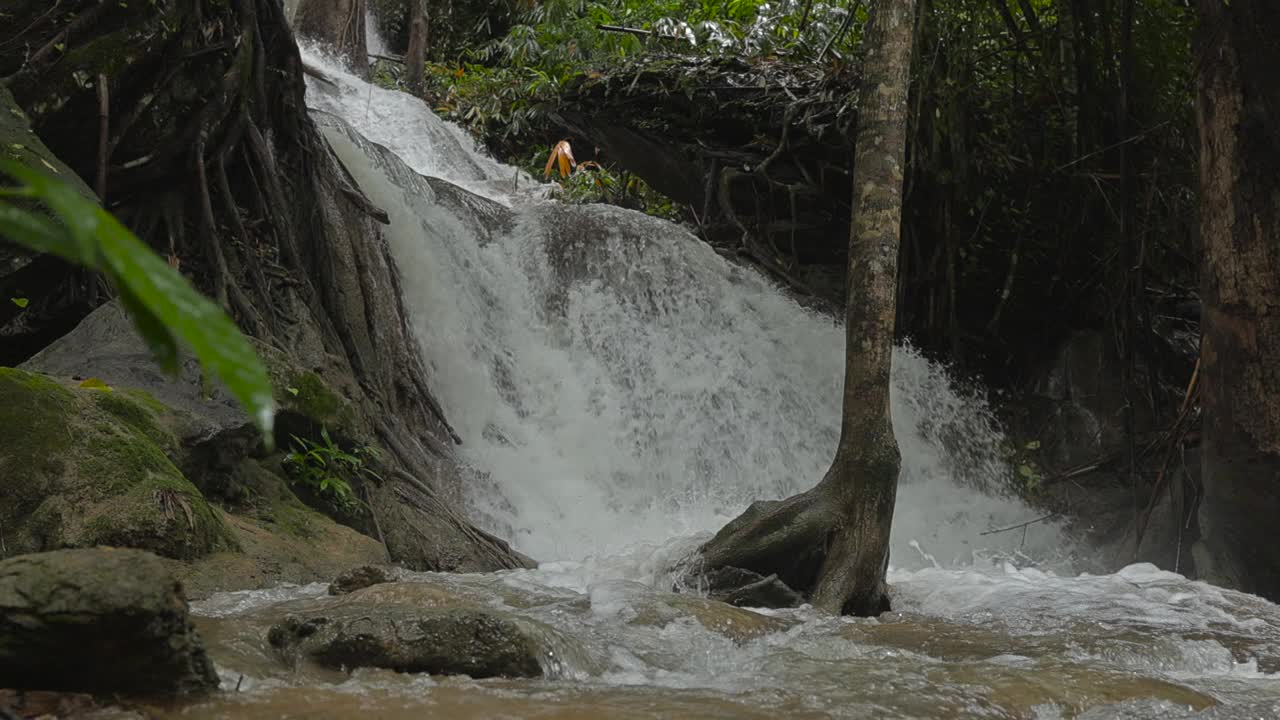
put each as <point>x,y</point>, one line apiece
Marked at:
<point>826,545</point>
<point>784,539</point>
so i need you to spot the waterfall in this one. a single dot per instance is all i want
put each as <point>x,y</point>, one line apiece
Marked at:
<point>617,384</point>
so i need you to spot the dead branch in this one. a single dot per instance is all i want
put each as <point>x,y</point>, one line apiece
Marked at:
<point>1021,525</point>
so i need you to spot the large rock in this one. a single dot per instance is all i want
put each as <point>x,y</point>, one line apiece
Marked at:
<point>106,346</point>
<point>81,467</point>
<point>101,620</point>
<point>410,627</point>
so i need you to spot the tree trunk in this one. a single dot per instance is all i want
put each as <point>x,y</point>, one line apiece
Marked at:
<point>832,542</point>
<point>339,24</point>
<point>1238,94</point>
<point>416,57</point>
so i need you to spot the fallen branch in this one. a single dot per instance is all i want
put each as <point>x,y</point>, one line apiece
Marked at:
<point>388,58</point>
<point>1019,526</point>
<point>318,75</point>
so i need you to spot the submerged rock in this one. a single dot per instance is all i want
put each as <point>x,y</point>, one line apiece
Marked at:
<point>98,620</point>
<point>42,705</point>
<point>359,578</point>
<point>456,641</point>
<point>410,627</point>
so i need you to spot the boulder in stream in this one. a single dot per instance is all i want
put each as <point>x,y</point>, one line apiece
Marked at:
<point>409,627</point>
<point>100,620</point>
<point>359,578</point>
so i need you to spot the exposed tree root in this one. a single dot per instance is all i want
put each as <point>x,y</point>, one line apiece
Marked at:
<point>811,542</point>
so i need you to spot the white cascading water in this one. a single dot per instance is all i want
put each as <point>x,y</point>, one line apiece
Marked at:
<point>621,392</point>
<point>619,383</point>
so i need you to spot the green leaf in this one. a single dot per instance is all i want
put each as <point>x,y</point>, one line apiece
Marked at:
<point>1026,471</point>
<point>38,233</point>
<point>20,302</point>
<point>292,391</point>
<point>1033,445</point>
<point>79,215</point>
<point>201,325</point>
<point>163,346</point>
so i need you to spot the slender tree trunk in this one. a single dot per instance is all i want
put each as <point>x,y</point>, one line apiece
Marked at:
<point>340,24</point>
<point>864,476</point>
<point>1238,107</point>
<point>416,57</point>
<point>832,542</point>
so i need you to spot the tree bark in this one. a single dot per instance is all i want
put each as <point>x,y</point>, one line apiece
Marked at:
<point>339,24</point>
<point>1238,108</point>
<point>832,542</point>
<point>415,57</point>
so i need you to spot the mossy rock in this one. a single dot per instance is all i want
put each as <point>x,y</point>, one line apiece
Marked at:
<point>305,393</point>
<point>81,467</point>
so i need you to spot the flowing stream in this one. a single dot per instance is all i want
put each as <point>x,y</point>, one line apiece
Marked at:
<point>621,392</point>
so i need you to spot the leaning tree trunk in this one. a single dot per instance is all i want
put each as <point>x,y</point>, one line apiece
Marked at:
<point>214,161</point>
<point>339,24</point>
<point>832,542</point>
<point>1239,113</point>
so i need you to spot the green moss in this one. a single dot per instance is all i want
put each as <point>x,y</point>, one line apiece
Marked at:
<point>304,391</point>
<point>147,400</point>
<point>34,382</point>
<point>34,428</point>
<point>131,410</point>
<point>119,458</point>
<point>295,518</point>
<point>163,514</point>
<point>309,395</point>
<point>83,467</point>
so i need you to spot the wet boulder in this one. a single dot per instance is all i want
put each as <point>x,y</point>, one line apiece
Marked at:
<point>359,578</point>
<point>410,627</point>
<point>98,620</point>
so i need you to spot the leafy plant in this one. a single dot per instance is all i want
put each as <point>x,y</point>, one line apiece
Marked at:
<point>328,469</point>
<point>165,307</point>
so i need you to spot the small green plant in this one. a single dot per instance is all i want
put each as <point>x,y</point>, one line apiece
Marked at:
<point>328,469</point>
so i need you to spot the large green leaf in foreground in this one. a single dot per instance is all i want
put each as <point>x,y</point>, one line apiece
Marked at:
<point>164,306</point>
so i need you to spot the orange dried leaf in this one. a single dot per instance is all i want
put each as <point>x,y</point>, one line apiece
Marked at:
<point>561,159</point>
<point>551,162</point>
